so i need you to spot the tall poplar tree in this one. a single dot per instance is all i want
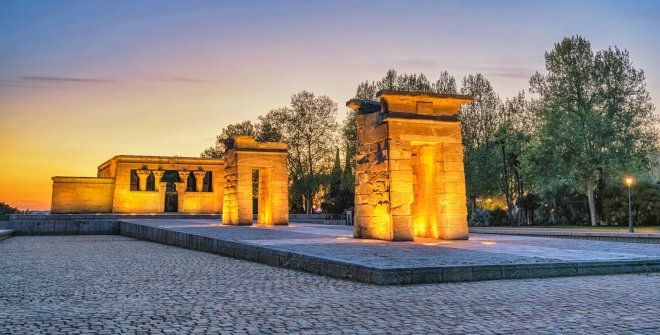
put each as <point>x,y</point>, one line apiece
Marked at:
<point>596,117</point>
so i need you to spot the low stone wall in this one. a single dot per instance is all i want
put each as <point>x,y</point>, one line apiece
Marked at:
<point>82,195</point>
<point>326,219</point>
<point>66,227</point>
<point>571,234</point>
<point>82,224</point>
<point>6,233</point>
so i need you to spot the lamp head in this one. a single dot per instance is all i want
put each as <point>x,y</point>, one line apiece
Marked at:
<point>629,180</point>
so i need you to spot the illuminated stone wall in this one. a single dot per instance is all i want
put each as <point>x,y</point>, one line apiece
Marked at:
<point>244,154</point>
<point>82,195</point>
<point>140,200</point>
<point>132,201</point>
<point>409,178</point>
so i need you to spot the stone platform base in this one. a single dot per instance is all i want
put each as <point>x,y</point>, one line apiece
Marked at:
<point>330,251</point>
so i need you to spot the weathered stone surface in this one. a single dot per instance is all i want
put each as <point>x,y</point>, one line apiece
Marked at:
<point>244,154</point>
<point>409,169</point>
<point>110,191</point>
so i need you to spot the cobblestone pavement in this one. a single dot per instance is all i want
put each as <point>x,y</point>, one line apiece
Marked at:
<point>114,284</point>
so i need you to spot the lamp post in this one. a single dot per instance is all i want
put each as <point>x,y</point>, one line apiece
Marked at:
<point>629,182</point>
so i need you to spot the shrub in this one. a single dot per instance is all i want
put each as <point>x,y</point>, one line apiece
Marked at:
<point>480,218</point>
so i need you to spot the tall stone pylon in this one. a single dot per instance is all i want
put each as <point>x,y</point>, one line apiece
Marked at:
<point>409,176</point>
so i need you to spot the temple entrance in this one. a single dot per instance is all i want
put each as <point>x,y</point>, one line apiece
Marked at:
<point>264,196</point>
<point>262,203</point>
<point>171,202</point>
<point>171,195</point>
<point>424,204</point>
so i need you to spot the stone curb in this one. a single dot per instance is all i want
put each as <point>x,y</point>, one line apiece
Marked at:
<point>6,233</point>
<point>597,236</point>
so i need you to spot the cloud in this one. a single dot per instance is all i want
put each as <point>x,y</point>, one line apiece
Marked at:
<point>20,85</point>
<point>72,80</point>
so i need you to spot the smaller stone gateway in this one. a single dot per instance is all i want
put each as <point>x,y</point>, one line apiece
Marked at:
<point>243,156</point>
<point>409,178</point>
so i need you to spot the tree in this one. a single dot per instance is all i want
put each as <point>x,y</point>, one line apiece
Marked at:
<point>338,197</point>
<point>263,130</point>
<point>308,126</point>
<point>479,126</point>
<point>6,209</point>
<point>445,84</point>
<point>595,115</point>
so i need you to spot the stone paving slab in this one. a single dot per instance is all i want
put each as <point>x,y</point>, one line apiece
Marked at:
<point>330,250</point>
<point>640,236</point>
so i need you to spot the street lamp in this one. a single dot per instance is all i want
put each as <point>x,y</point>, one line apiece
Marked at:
<point>629,180</point>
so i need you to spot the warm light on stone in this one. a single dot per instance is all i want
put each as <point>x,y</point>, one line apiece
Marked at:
<point>199,179</point>
<point>111,191</point>
<point>409,179</point>
<point>244,154</point>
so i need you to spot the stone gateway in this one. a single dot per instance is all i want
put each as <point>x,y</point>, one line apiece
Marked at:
<point>409,178</point>
<point>243,158</point>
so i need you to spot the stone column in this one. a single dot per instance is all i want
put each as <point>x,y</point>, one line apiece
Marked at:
<point>158,175</point>
<point>162,192</point>
<point>199,179</point>
<point>143,175</point>
<point>183,175</point>
<point>161,187</point>
<point>181,194</point>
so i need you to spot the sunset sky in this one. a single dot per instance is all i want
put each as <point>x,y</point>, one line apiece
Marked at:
<point>82,81</point>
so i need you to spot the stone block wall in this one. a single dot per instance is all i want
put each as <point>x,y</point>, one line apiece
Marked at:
<point>82,195</point>
<point>244,154</point>
<point>137,201</point>
<point>409,167</point>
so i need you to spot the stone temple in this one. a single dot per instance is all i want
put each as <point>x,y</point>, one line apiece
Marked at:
<point>409,178</point>
<point>409,167</point>
<point>158,184</point>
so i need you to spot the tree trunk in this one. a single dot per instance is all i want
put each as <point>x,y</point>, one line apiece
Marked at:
<point>592,204</point>
<point>308,203</point>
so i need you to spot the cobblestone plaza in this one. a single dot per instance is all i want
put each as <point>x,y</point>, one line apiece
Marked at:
<point>115,284</point>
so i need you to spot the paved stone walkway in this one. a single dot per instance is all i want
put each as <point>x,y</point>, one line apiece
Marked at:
<point>114,284</point>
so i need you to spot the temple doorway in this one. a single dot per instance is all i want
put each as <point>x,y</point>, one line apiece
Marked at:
<point>171,195</point>
<point>424,204</point>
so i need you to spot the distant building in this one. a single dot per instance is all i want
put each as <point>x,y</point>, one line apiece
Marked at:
<point>144,184</point>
